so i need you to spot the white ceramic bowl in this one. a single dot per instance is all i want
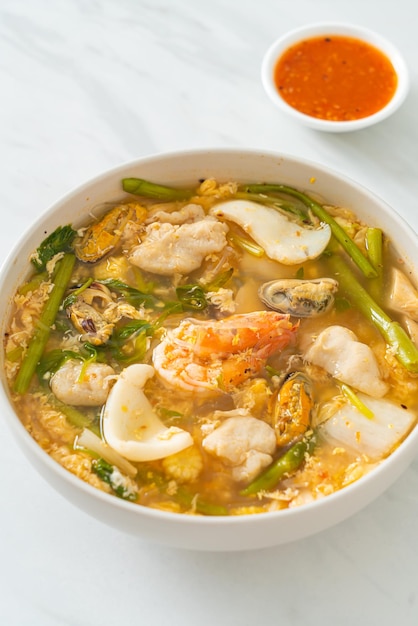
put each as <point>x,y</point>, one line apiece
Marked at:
<point>330,28</point>
<point>194,532</point>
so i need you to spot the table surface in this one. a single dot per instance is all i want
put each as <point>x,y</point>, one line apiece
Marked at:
<point>84,87</point>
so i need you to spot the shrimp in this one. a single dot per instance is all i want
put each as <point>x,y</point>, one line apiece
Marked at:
<point>218,355</point>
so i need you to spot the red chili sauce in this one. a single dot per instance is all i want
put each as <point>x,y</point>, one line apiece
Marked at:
<point>335,78</point>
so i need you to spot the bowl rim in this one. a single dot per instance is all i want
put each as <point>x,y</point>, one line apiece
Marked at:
<point>407,449</point>
<point>282,43</point>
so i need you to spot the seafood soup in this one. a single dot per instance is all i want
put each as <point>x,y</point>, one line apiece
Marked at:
<point>226,349</point>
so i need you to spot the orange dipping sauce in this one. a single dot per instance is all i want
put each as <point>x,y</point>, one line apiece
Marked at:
<point>335,78</point>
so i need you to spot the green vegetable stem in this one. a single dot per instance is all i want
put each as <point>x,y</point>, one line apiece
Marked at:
<point>374,244</point>
<point>141,187</point>
<point>317,209</point>
<point>404,349</point>
<point>283,466</point>
<point>356,402</point>
<point>219,281</point>
<point>246,244</point>
<point>43,327</point>
<point>74,416</point>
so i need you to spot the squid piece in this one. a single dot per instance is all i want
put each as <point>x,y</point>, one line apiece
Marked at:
<point>283,240</point>
<point>374,437</point>
<point>403,295</point>
<point>412,328</point>
<point>130,425</point>
<point>338,351</point>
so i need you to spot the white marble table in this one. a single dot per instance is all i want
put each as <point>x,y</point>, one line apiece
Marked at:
<point>86,85</point>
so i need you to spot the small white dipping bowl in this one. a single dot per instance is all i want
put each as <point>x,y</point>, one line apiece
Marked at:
<point>330,28</point>
<point>189,531</point>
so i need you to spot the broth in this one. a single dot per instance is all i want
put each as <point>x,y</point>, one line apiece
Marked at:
<point>168,378</point>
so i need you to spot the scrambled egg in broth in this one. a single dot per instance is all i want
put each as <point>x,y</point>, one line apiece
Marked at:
<point>224,350</point>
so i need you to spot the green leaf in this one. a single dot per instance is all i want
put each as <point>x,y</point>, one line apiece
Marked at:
<point>58,241</point>
<point>53,360</point>
<point>132,295</point>
<point>192,297</point>
<point>110,475</point>
<point>129,342</point>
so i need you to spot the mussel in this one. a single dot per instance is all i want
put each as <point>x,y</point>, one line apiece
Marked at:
<point>292,408</point>
<point>102,236</point>
<point>89,322</point>
<point>85,310</point>
<point>298,297</point>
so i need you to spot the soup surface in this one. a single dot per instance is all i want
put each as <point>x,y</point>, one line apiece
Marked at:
<point>221,350</point>
<point>335,78</point>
